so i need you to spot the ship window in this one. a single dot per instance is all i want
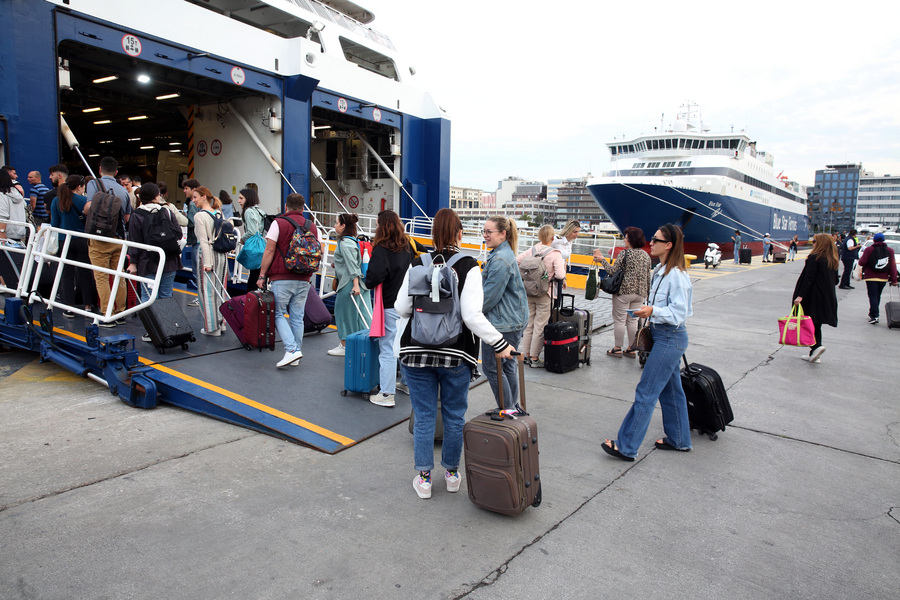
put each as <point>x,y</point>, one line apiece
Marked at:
<point>369,59</point>
<point>267,18</point>
<point>631,148</point>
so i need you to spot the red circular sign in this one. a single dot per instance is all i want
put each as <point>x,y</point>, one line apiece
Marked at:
<point>131,45</point>
<point>353,202</point>
<point>201,148</point>
<point>215,147</point>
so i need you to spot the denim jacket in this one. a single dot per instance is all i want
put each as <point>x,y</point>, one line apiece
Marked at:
<point>505,302</point>
<point>671,296</point>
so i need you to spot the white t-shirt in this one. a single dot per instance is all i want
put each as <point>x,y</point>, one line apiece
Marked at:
<point>272,234</point>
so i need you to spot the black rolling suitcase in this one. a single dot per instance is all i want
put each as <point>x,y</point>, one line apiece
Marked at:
<point>166,325</point>
<point>561,352</point>
<point>746,256</point>
<point>707,401</point>
<point>501,450</point>
<point>892,311</point>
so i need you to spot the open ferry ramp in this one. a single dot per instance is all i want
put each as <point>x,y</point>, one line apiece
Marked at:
<point>799,498</point>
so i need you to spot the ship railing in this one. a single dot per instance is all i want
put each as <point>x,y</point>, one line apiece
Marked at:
<point>36,257</point>
<point>342,20</point>
<point>11,248</point>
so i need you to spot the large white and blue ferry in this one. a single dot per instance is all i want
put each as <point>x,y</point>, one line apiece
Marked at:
<point>287,94</point>
<point>710,184</point>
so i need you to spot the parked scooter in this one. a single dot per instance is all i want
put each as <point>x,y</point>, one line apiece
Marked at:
<point>713,256</point>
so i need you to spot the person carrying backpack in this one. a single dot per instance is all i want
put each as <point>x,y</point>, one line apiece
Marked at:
<point>154,223</point>
<point>348,270</point>
<point>879,266</point>
<point>505,303</point>
<point>551,267</point>
<point>254,225</point>
<point>442,372</point>
<point>210,264</point>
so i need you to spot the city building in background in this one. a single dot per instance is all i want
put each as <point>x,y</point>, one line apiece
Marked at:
<point>832,200</point>
<point>529,203</point>
<point>574,201</point>
<point>878,202</point>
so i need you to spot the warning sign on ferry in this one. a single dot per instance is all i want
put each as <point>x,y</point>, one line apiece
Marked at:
<point>131,45</point>
<point>342,105</point>
<point>353,202</point>
<point>376,114</point>
<point>201,148</point>
<point>215,147</point>
<point>238,76</point>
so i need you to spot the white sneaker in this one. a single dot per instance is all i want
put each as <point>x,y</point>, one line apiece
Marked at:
<point>453,480</point>
<point>146,338</point>
<point>382,399</point>
<point>194,302</point>
<point>422,486</point>
<point>402,387</point>
<point>215,333</point>
<point>339,351</point>
<point>817,354</point>
<point>289,358</point>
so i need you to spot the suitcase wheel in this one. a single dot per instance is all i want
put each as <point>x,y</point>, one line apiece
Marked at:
<point>343,392</point>
<point>712,436</point>
<point>366,397</point>
<point>537,497</point>
<point>249,347</point>
<point>161,350</point>
<point>184,346</point>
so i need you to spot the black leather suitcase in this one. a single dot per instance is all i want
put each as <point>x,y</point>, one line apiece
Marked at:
<point>561,346</point>
<point>745,256</point>
<point>708,408</point>
<point>166,325</point>
<point>501,451</point>
<point>892,311</point>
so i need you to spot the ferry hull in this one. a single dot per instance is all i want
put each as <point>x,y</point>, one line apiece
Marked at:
<point>703,217</point>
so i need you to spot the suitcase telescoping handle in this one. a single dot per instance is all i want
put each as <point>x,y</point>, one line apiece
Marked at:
<point>520,359</point>
<point>218,287</point>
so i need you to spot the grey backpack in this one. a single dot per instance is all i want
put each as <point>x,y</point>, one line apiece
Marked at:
<point>534,273</point>
<point>434,287</point>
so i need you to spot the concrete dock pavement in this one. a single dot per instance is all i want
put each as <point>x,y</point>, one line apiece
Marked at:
<point>800,498</point>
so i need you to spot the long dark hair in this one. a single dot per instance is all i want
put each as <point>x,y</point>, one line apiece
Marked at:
<point>389,232</point>
<point>225,197</point>
<point>251,198</point>
<point>349,221</point>
<point>5,181</point>
<point>65,192</point>
<point>675,257</point>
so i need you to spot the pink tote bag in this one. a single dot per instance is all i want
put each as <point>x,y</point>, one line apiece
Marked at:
<point>796,329</point>
<point>377,329</point>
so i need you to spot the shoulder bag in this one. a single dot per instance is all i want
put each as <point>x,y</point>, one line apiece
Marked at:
<point>643,339</point>
<point>613,283</point>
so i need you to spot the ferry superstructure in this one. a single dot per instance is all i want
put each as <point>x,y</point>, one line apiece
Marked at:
<point>709,184</point>
<point>273,92</point>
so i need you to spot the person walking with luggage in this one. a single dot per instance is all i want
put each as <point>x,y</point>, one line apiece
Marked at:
<point>391,257</point>
<point>564,240</point>
<point>879,266</point>
<point>667,311</point>
<point>67,212</point>
<point>815,292</point>
<point>505,303</point>
<point>140,229</point>
<point>210,264</point>
<point>632,293</point>
<point>849,254</point>
<point>290,289</point>
<point>539,304</point>
<point>736,238</point>
<point>443,373</point>
<point>352,294</point>
<point>254,224</point>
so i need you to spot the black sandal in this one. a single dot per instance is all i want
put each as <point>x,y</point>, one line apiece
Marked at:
<point>630,352</point>
<point>664,444</point>
<point>615,352</point>
<point>613,451</point>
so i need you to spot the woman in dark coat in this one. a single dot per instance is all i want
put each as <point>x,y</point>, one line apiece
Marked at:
<point>814,291</point>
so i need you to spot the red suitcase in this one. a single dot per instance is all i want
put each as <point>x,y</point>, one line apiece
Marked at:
<point>252,318</point>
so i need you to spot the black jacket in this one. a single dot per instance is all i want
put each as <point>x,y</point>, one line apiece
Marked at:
<point>388,268</point>
<point>816,286</point>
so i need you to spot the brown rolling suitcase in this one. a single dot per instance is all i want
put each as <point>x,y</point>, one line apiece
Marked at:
<point>501,451</point>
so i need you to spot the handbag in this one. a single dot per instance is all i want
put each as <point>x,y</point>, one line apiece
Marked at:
<point>377,328</point>
<point>613,283</point>
<point>252,252</point>
<point>796,329</point>
<point>643,339</point>
<point>590,287</point>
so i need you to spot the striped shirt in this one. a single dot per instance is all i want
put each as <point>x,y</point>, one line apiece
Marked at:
<point>38,191</point>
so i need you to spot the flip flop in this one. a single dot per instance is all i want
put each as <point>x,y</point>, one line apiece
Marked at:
<point>665,445</point>
<point>629,353</point>
<point>612,451</point>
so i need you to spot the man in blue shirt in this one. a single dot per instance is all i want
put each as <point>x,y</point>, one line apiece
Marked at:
<point>108,169</point>
<point>36,194</point>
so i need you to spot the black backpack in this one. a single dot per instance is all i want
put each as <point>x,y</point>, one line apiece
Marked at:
<point>105,213</point>
<point>224,235</point>
<point>879,258</point>
<point>161,230</point>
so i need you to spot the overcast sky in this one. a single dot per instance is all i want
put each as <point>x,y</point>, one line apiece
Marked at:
<point>536,89</point>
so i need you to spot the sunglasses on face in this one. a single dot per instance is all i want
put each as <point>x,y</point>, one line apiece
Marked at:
<point>655,240</point>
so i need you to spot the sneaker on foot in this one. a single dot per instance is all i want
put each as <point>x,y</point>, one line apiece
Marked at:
<point>68,314</point>
<point>382,399</point>
<point>194,302</point>
<point>872,321</point>
<point>453,480</point>
<point>107,325</point>
<point>215,333</point>
<point>339,351</point>
<point>120,321</point>
<point>402,387</point>
<point>422,485</point>
<point>536,363</point>
<point>289,358</point>
<point>816,354</point>
<point>146,338</point>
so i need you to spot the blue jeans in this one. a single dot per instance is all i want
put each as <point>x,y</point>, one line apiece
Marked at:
<point>510,370</point>
<point>792,252</point>
<point>660,379</point>
<point>166,284</point>
<point>874,289</point>
<point>290,304</point>
<point>423,394</point>
<point>387,360</point>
